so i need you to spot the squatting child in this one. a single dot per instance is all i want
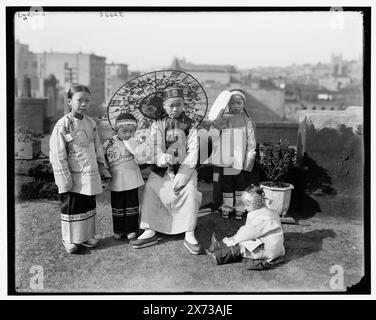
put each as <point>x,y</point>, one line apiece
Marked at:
<point>259,243</point>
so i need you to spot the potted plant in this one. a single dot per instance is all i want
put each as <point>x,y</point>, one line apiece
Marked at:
<point>276,160</point>
<point>28,143</point>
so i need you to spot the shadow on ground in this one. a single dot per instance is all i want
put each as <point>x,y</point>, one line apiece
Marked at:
<point>297,244</point>
<point>300,244</point>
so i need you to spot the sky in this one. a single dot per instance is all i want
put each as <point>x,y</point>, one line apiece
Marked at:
<point>149,40</point>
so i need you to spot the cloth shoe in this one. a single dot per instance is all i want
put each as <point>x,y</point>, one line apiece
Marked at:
<point>131,235</point>
<point>225,214</point>
<point>118,236</point>
<point>214,244</point>
<point>239,215</point>
<point>91,243</point>
<point>70,247</point>
<point>192,248</point>
<point>143,243</point>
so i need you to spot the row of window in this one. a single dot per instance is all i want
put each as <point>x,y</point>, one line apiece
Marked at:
<point>314,108</point>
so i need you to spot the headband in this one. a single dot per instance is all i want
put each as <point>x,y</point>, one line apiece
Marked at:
<point>123,122</point>
<point>239,93</point>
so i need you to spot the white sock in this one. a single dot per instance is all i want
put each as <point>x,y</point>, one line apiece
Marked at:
<point>148,233</point>
<point>190,237</point>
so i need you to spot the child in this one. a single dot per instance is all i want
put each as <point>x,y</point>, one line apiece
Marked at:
<point>234,177</point>
<point>77,159</point>
<point>259,243</point>
<point>171,199</point>
<point>120,152</point>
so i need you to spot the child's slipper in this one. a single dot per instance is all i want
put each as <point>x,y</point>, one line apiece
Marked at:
<point>70,247</point>
<point>118,236</point>
<point>91,243</point>
<point>192,248</point>
<point>143,243</point>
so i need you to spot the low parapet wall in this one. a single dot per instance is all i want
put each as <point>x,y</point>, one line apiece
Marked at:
<point>334,141</point>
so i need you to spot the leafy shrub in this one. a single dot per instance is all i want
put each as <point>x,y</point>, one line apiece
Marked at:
<point>39,189</point>
<point>42,171</point>
<point>27,135</point>
<point>276,160</point>
<point>43,185</point>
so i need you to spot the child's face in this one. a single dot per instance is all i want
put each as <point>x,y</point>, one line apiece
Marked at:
<point>236,104</point>
<point>174,107</point>
<point>126,131</point>
<point>251,207</point>
<point>79,102</point>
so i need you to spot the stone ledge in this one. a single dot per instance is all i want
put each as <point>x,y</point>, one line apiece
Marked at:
<point>351,117</point>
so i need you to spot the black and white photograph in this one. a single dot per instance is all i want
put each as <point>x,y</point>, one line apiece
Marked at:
<point>188,150</point>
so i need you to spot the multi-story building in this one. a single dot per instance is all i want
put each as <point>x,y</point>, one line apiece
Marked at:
<point>116,75</point>
<point>88,69</point>
<point>27,80</point>
<point>208,74</point>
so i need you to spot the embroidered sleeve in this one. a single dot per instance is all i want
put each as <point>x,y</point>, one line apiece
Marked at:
<point>189,164</point>
<point>106,145</point>
<point>102,163</point>
<point>250,154</point>
<point>160,158</point>
<point>59,158</point>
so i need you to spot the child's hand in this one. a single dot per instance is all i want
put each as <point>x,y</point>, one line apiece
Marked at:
<point>180,182</point>
<point>67,186</point>
<point>140,139</point>
<point>106,183</point>
<point>229,241</point>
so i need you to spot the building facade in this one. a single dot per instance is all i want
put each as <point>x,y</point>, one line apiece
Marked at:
<point>68,68</point>
<point>208,74</point>
<point>116,75</point>
<point>27,78</point>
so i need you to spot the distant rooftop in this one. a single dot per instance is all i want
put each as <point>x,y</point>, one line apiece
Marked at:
<point>182,64</point>
<point>52,52</point>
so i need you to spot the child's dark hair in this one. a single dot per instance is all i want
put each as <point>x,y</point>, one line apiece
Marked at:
<point>255,195</point>
<point>125,116</point>
<point>77,87</point>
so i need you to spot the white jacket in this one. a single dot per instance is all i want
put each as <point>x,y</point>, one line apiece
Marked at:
<point>121,157</point>
<point>236,139</point>
<point>76,155</point>
<point>261,237</point>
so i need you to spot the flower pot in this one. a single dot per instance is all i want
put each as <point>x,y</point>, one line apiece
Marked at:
<point>28,150</point>
<point>279,197</point>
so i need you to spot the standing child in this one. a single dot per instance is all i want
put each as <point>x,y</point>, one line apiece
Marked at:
<point>259,243</point>
<point>237,132</point>
<point>77,159</point>
<point>120,152</point>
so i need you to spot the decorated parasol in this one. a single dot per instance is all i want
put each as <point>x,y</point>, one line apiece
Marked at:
<point>142,97</point>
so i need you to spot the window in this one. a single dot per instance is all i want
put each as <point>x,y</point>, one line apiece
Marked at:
<point>323,108</point>
<point>313,108</point>
<point>25,65</point>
